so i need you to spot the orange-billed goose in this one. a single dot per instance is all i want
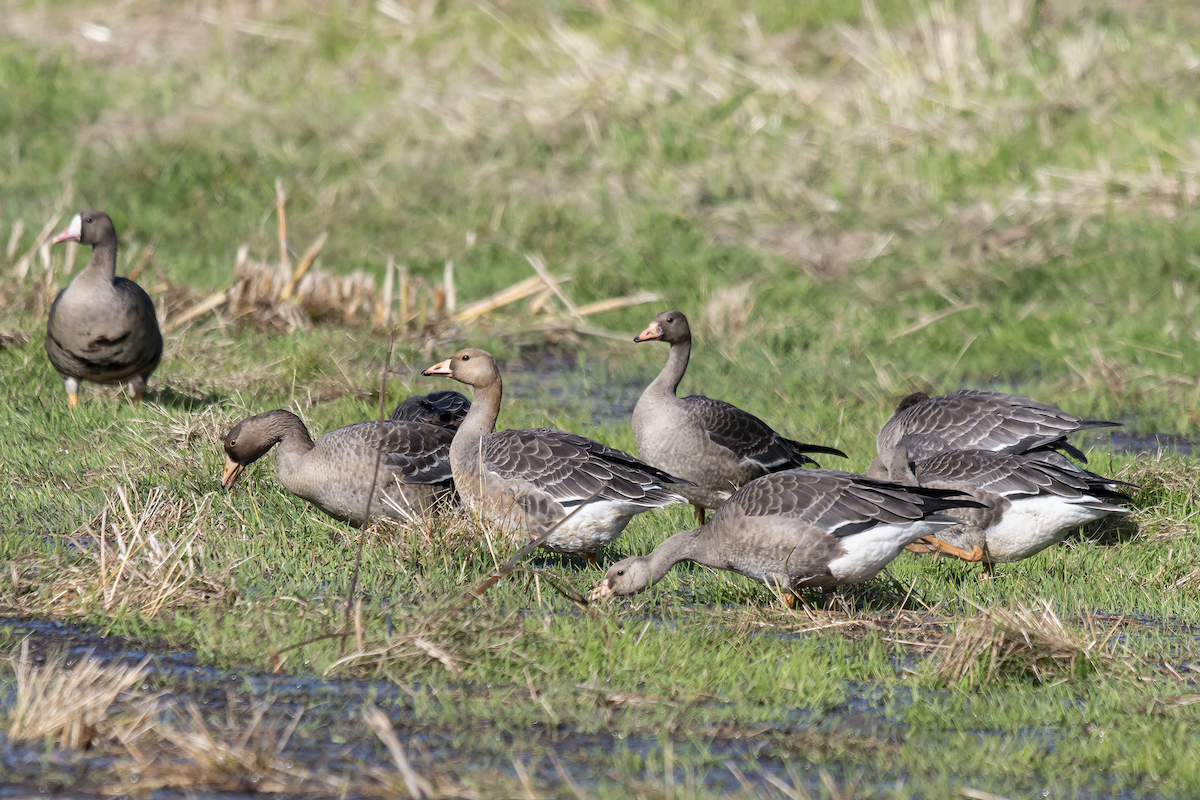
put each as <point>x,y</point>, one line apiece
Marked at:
<point>527,480</point>
<point>101,328</point>
<point>335,471</point>
<point>711,443</point>
<point>798,528</point>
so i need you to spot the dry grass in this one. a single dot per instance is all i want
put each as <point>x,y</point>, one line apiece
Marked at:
<point>140,555</point>
<point>68,707</point>
<point>1167,485</point>
<point>1029,641</point>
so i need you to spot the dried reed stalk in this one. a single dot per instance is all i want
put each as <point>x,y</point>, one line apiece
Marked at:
<point>69,706</point>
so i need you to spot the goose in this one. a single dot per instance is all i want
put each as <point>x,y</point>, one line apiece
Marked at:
<point>446,409</point>
<point>335,471</point>
<point>1026,502</point>
<point>528,480</point>
<point>798,528</point>
<point>101,328</point>
<point>973,419</point>
<point>717,446</point>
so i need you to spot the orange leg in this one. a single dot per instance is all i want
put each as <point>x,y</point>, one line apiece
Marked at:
<point>931,544</point>
<point>591,559</point>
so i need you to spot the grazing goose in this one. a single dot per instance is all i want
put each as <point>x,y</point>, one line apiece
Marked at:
<point>717,446</point>
<point>446,409</point>
<point>530,479</point>
<point>972,419</point>
<point>1027,502</point>
<point>334,472</point>
<point>101,328</point>
<point>798,528</point>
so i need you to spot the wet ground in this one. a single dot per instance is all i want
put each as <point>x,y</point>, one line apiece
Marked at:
<point>746,756</point>
<point>750,755</point>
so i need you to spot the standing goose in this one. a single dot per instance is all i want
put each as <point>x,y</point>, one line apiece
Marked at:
<point>972,419</point>
<point>798,528</point>
<point>334,473</point>
<point>717,446</point>
<point>446,409</point>
<point>528,480</point>
<point>101,328</point>
<point>1027,503</point>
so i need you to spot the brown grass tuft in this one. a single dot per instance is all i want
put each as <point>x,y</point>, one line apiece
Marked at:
<point>67,706</point>
<point>1028,641</point>
<point>136,555</point>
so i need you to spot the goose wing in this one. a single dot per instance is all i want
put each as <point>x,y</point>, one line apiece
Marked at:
<point>980,420</point>
<point>748,437</point>
<point>413,452</point>
<point>570,468</point>
<point>1013,476</point>
<point>445,408</point>
<point>840,503</point>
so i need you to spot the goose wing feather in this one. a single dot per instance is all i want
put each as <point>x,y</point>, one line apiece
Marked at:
<point>571,468</point>
<point>748,437</point>
<point>413,452</point>
<point>840,503</point>
<point>981,420</point>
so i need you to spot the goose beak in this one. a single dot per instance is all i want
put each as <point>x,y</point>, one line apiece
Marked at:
<point>232,471</point>
<point>73,231</point>
<point>652,332</point>
<point>440,368</point>
<point>600,592</point>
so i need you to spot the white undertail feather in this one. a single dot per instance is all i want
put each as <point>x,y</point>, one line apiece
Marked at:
<point>1034,523</point>
<point>870,551</point>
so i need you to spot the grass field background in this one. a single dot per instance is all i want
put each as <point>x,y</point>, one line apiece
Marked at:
<point>850,201</point>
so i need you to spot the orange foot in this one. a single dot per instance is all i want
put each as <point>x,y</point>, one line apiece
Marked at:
<point>932,544</point>
<point>72,401</point>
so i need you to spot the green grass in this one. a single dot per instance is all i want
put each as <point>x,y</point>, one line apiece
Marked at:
<point>847,209</point>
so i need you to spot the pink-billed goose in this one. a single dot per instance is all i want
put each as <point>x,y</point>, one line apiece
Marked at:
<point>973,419</point>
<point>446,408</point>
<point>1027,503</point>
<point>101,328</point>
<point>711,443</point>
<point>334,472</point>
<point>798,528</point>
<point>527,480</point>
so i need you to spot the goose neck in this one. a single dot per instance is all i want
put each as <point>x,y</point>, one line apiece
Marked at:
<point>668,380</point>
<point>485,410</point>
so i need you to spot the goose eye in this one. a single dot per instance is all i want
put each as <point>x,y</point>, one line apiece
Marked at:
<point>620,572</point>
<point>466,358</point>
<point>232,443</point>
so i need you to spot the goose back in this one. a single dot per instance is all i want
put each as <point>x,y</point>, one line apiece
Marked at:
<point>972,419</point>
<point>444,408</point>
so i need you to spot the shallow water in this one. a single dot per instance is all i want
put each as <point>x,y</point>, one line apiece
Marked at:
<point>333,737</point>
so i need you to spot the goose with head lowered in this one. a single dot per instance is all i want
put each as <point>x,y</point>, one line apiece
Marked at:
<point>796,529</point>
<point>973,419</point>
<point>101,328</point>
<point>335,472</point>
<point>1026,502</point>
<point>529,480</point>
<point>713,444</point>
